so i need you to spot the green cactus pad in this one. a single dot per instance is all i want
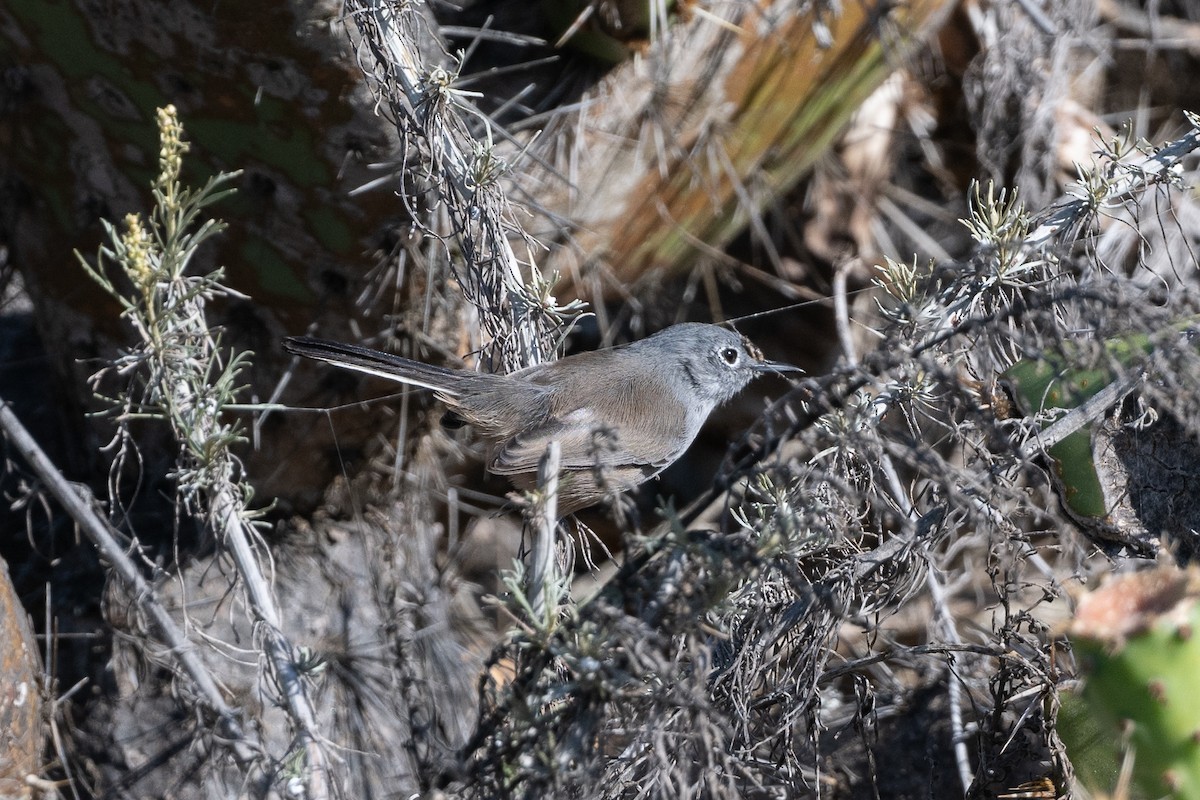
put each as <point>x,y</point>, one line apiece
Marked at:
<point>1139,653</point>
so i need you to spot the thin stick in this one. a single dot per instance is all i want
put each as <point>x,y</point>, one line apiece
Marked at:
<point>245,748</point>
<point>542,575</point>
<point>471,202</point>
<point>841,313</point>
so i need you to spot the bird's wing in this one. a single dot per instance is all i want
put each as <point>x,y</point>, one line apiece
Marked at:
<point>621,434</point>
<point>584,444</point>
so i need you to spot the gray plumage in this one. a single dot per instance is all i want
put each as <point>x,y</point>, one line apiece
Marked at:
<point>621,416</point>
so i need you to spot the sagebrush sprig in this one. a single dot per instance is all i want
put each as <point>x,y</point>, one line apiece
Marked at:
<point>178,371</point>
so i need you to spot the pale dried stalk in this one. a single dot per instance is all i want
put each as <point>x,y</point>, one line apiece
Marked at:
<point>198,424</point>
<point>280,652</point>
<point>463,172</point>
<point>542,575</point>
<point>189,387</point>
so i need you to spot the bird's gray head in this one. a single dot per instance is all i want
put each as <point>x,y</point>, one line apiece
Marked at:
<point>715,362</point>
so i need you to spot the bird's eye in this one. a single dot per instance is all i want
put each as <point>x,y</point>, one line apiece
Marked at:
<point>730,355</point>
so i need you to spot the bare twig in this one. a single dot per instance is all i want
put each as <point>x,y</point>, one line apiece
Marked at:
<point>841,313</point>
<point>227,518</point>
<point>1133,176</point>
<point>945,625</point>
<point>541,575</point>
<point>180,648</point>
<point>519,314</point>
<point>1087,412</point>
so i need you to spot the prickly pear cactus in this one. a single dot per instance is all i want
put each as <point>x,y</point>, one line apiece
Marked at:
<point>1137,638</point>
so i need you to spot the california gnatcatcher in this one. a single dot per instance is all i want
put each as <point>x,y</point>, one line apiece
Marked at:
<point>621,415</point>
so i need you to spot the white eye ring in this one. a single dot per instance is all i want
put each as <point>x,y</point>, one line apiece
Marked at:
<point>730,355</point>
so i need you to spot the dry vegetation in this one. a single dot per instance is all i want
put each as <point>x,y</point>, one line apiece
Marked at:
<point>867,601</point>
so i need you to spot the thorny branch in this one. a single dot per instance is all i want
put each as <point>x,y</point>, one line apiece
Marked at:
<point>462,176</point>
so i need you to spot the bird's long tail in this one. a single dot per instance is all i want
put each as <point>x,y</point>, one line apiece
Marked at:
<point>385,365</point>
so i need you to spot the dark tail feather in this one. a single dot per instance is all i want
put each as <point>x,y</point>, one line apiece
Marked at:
<point>384,365</point>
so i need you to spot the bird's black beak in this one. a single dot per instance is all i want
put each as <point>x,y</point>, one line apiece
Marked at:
<point>775,366</point>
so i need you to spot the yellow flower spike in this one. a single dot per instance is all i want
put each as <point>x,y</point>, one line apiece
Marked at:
<point>171,150</point>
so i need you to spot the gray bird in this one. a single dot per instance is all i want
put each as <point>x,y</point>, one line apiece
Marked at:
<point>621,416</point>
